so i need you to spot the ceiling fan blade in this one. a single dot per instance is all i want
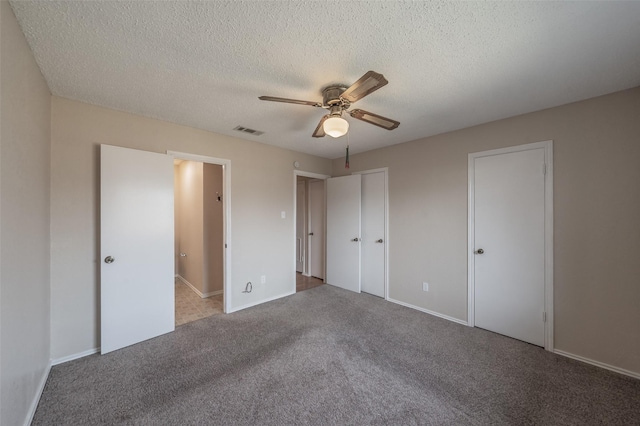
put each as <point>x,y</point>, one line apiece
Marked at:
<point>319,131</point>
<point>368,83</point>
<point>290,101</point>
<point>375,119</point>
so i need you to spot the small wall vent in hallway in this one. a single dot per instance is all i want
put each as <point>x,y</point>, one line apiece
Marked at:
<point>247,130</point>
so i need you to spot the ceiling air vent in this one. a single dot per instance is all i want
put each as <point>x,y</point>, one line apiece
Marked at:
<point>248,130</point>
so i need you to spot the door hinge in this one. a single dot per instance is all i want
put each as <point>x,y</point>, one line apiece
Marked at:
<point>544,317</point>
<point>225,246</point>
<point>544,168</point>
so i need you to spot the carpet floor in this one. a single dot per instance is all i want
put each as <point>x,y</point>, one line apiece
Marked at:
<point>331,357</point>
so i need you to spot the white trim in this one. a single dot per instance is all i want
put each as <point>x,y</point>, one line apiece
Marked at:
<point>260,302</point>
<point>307,263</point>
<point>471,232</point>
<point>310,175</point>
<point>548,246</point>
<point>384,170</point>
<point>427,311</point>
<point>548,232</point>
<point>78,355</point>
<point>366,172</point>
<point>598,364</point>
<point>226,203</point>
<point>36,398</point>
<point>198,292</point>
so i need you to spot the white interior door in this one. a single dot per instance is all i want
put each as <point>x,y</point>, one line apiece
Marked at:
<point>509,254</point>
<point>316,253</point>
<point>136,246</point>
<point>373,233</point>
<point>343,232</point>
<point>301,215</point>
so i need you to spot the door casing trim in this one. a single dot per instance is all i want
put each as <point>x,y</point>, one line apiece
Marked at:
<point>548,233</point>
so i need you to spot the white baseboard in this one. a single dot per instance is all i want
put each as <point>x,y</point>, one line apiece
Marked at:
<point>198,292</point>
<point>557,351</point>
<point>598,364</point>
<point>38,395</point>
<point>427,311</point>
<point>260,302</point>
<point>74,356</point>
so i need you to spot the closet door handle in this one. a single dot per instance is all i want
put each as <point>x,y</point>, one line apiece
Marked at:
<point>379,241</point>
<point>356,239</point>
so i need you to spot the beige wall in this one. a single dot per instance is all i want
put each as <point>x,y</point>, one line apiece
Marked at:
<point>190,229</point>
<point>213,228</point>
<point>596,219</point>
<point>261,243</point>
<point>24,224</point>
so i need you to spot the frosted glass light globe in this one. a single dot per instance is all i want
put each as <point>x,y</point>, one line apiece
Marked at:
<point>335,126</point>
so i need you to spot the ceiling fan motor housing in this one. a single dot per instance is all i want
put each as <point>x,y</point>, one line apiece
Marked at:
<point>331,96</point>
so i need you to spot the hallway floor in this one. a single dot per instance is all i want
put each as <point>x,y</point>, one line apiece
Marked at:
<point>306,283</point>
<point>191,307</point>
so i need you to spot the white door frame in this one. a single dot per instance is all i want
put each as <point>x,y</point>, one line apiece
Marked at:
<point>312,175</point>
<point>385,170</point>
<point>548,233</point>
<point>301,251</point>
<point>226,214</point>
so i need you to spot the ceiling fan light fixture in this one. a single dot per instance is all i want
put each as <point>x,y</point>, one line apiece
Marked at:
<point>335,126</point>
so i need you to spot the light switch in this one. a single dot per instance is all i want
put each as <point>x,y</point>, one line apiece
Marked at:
<point>283,214</point>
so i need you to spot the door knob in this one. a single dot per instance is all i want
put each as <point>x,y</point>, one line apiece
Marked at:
<point>379,241</point>
<point>109,259</point>
<point>310,233</point>
<point>479,251</point>
<point>356,239</point>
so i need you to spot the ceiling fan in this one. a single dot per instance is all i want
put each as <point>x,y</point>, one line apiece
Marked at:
<point>337,99</point>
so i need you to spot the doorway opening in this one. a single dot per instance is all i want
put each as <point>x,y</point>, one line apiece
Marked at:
<point>309,207</point>
<point>199,240</point>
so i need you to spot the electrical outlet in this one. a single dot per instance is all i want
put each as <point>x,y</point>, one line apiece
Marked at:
<point>425,286</point>
<point>263,279</point>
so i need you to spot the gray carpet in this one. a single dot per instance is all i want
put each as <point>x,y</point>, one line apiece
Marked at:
<point>330,357</point>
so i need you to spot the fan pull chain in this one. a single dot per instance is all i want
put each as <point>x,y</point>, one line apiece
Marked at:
<point>346,160</point>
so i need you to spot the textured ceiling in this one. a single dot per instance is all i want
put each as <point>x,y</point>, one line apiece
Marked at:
<point>450,65</point>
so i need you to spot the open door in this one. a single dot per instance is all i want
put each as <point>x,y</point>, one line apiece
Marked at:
<point>343,232</point>
<point>136,246</point>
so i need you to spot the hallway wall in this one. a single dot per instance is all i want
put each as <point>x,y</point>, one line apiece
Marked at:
<point>213,228</point>
<point>189,223</point>
<point>199,226</point>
